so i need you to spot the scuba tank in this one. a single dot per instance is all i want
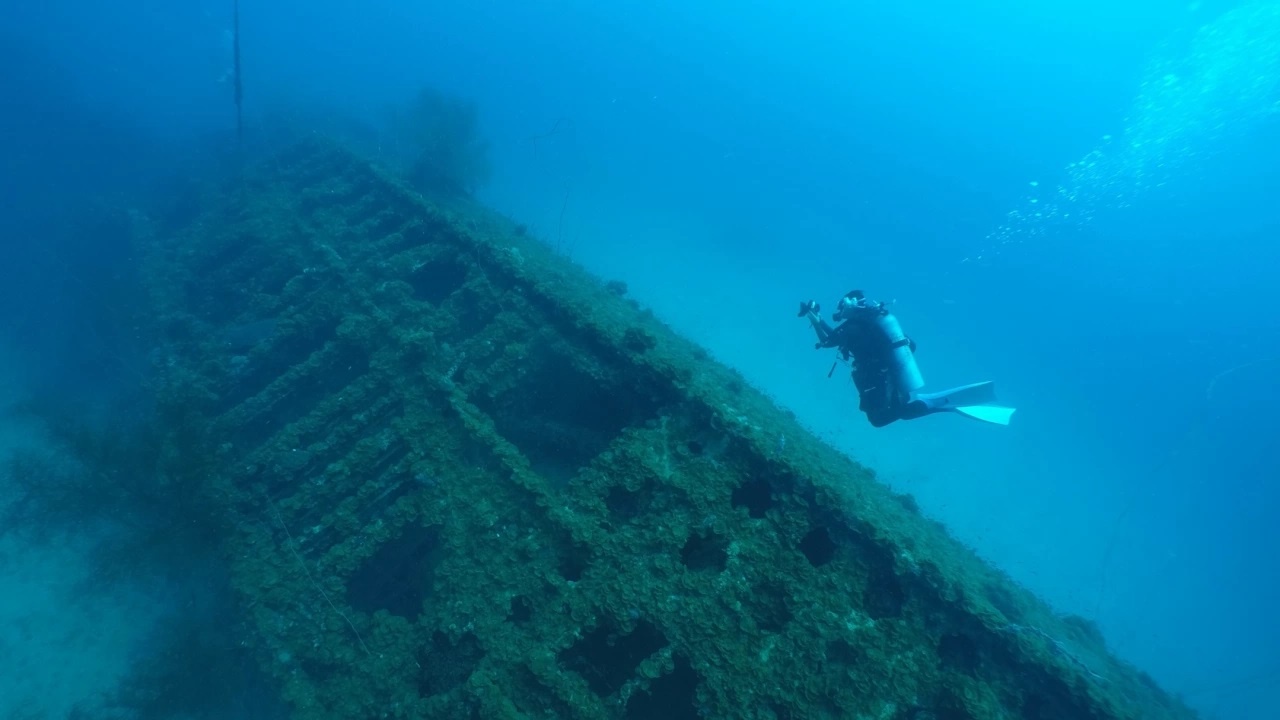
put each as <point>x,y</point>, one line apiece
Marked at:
<point>901,364</point>
<point>903,368</point>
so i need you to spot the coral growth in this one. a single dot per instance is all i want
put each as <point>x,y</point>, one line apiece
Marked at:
<point>466,479</point>
<point>441,149</point>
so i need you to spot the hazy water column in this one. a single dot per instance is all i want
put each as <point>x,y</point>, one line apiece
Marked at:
<point>1221,84</point>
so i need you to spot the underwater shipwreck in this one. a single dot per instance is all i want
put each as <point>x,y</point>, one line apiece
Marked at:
<point>461,477</point>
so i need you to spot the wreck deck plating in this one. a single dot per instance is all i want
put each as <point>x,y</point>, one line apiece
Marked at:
<point>465,478</point>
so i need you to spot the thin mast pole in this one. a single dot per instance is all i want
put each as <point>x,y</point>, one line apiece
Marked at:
<point>239,93</point>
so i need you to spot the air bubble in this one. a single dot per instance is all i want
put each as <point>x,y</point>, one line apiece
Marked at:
<point>1224,86</point>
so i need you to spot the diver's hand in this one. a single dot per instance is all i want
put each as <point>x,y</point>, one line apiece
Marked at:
<point>806,307</point>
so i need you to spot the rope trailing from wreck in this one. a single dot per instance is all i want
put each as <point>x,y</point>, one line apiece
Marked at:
<point>239,93</point>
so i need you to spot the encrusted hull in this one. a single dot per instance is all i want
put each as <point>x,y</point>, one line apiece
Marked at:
<point>464,478</point>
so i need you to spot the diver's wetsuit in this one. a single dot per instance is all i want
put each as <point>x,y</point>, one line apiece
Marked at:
<point>860,340</point>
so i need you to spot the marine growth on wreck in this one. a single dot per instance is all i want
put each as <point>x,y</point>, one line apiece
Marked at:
<point>461,477</point>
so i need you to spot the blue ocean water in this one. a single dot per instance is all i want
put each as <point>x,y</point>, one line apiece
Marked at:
<point>1076,200</point>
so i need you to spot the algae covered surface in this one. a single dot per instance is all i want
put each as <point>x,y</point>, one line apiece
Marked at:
<point>462,477</point>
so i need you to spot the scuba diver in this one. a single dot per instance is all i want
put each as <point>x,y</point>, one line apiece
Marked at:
<point>885,370</point>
